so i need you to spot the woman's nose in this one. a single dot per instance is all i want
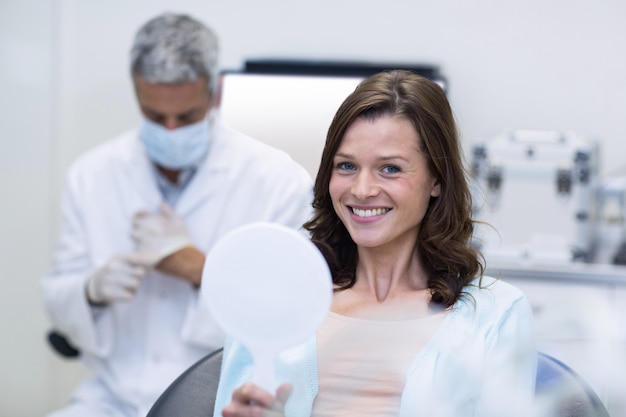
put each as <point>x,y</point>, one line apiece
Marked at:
<point>365,185</point>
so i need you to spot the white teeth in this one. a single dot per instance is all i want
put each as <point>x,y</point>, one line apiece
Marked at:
<point>369,212</point>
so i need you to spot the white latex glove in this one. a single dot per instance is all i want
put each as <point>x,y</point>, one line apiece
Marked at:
<point>117,280</point>
<point>158,235</point>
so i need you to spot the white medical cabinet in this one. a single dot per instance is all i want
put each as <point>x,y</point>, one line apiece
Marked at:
<point>534,189</point>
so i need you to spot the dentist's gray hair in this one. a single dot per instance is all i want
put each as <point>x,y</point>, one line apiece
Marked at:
<point>175,48</point>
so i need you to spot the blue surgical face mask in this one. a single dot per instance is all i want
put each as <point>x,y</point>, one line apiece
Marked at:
<point>180,148</point>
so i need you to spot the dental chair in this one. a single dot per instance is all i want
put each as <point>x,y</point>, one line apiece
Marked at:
<point>560,391</point>
<point>61,345</point>
<point>192,394</point>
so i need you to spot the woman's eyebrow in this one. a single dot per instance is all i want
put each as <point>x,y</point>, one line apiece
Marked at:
<point>382,158</point>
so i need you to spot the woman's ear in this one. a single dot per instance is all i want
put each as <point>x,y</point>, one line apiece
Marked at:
<point>435,191</point>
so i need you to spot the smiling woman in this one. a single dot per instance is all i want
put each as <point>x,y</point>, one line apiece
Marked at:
<point>414,327</point>
<point>380,185</point>
<point>405,125</point>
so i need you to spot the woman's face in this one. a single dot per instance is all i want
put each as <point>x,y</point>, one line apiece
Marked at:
<point>380,185</point>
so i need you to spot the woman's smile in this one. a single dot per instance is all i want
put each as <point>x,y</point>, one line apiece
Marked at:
<point>367,213</point>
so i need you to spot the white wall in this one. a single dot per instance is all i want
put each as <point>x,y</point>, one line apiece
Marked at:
<point>26,154</point>
<point>65,87</point>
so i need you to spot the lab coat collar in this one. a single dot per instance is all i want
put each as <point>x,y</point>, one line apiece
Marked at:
<point>210,175</point>
<point>140,173</point>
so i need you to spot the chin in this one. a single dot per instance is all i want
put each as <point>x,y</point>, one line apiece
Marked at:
<point>367,241</point>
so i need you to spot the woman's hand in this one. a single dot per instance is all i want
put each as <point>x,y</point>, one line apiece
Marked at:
<point>250,400</point>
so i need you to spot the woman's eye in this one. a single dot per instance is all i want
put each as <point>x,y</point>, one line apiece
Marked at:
<point>391,169</point>
<point>345,166</point>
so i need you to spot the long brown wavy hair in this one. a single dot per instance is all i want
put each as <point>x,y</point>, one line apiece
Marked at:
<point>446,229</point>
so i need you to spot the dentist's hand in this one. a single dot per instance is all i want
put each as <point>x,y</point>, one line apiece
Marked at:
<point>118,279</point>
<point>159,235</point>
<point>164,238</point>
<point>252,400</point>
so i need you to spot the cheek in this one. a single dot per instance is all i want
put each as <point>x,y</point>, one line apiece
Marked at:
<point>420,200</point>
<point>335,190</point>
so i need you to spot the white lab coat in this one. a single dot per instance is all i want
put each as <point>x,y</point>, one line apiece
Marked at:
<point>137,348</point>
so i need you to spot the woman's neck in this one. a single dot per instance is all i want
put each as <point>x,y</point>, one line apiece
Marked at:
<point>385,272</point>
<point>389,286</point>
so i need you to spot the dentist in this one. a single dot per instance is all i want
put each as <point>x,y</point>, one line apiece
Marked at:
<point>140,212</point>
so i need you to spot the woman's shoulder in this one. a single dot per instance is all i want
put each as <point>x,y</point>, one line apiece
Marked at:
<point>489,295</point>
<point>487,306</point>
<point>494,286</point>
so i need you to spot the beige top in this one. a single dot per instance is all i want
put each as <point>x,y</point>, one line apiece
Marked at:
<point>362,363</point>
